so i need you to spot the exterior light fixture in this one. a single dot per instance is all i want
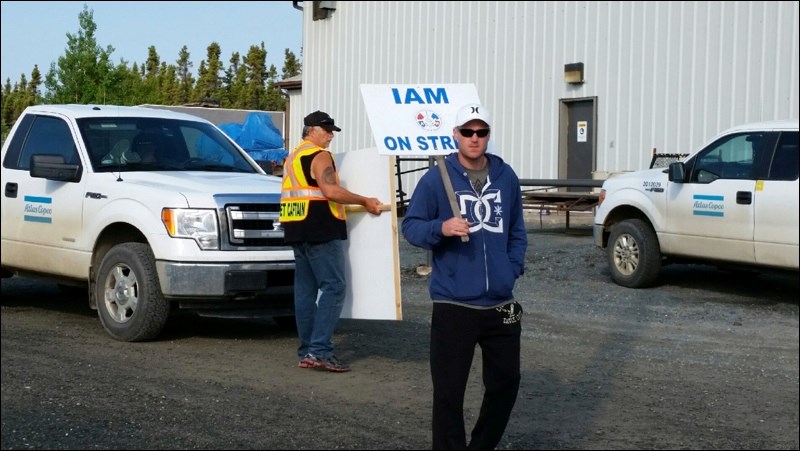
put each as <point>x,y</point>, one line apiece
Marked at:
<point>323,10</point>
<point>573,73</point>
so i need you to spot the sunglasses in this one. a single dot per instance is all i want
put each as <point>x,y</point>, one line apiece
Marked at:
<point>468,132</point>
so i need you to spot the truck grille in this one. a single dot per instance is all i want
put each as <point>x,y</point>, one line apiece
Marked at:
<point>252,226</point>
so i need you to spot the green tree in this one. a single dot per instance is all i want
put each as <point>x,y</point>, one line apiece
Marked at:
<point>20,96</point>
<point>77,77</point>
<point>273,99</point>
<point>150,88</point>
<point>126,83</point>
<point>209,85</point>
<point>255,87</point>
<point>185,77</point>
<point>7,117</point>
<point>169,87</point>
<point>235,80</point>
<point>291,66</point>
<point>34,93</point>
<point>104,70</point>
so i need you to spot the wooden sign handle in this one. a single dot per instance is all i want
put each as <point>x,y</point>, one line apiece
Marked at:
<point>448,187</point>
<point>361,208</point>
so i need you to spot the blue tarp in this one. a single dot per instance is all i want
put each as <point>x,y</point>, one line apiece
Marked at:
<point>258,136</point>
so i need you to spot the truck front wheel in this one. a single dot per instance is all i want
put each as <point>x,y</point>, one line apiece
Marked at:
<point>129,300</point>
<point>634,255</point>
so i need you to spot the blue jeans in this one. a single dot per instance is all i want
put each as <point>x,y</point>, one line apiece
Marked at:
<point>319,271</point>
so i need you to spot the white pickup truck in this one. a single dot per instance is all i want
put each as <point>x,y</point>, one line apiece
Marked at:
<point>146,208</point>
<point>733,203</point>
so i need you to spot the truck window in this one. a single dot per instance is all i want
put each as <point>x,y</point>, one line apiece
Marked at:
<point>51,136</point>
<point>11,160</point>
<point>733,157</point>
<point>785,161</point>
<point>157,144</point>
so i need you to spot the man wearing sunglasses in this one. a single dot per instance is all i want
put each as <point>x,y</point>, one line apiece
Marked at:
<point>472,281</point>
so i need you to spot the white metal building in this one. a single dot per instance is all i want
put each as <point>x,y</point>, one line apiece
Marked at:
<point>643,75</point>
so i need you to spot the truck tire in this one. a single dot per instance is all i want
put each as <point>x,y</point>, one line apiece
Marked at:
<point>634,255</point>
<point>129,300</point>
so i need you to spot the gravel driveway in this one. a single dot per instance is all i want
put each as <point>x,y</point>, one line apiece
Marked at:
<point>705,360</point>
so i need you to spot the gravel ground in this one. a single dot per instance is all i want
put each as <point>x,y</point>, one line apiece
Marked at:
<point>707,359</point>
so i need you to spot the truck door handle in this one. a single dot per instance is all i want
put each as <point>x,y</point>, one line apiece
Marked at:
<point>11,189</point>
<point>744,197</point>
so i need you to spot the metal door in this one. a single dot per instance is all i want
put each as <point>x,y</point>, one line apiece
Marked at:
<point>577,151</point>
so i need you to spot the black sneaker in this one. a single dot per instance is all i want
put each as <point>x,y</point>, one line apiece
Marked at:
<point>332,364</point>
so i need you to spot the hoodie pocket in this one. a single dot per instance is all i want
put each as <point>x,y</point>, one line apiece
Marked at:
<point>501,277</point>
<point>464,278</point>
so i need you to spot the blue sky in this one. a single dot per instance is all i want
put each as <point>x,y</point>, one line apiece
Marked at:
<point>34,32</point>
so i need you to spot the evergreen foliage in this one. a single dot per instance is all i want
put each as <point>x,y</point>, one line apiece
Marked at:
<point>86,74</point>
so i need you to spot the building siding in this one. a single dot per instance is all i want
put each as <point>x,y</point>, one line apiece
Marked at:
<point>665,75</point>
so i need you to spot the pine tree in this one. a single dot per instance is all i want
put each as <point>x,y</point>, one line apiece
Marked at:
<point>291,66</point>
<point>208,82</point>
<point>254,92</point>
<point>185,77</point>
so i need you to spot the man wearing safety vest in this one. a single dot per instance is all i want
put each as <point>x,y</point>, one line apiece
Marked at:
<point>313,220</point>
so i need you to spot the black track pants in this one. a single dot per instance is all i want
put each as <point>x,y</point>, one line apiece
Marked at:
<point>455,331</point>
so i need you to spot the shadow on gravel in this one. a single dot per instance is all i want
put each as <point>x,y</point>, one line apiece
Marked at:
<point>33,293</point>
<point>188,325</point>
<point>580,230</point>
<point>393,340</point>
<point>766,286</point>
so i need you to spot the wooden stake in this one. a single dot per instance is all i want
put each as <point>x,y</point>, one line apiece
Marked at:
<point>448,187</point>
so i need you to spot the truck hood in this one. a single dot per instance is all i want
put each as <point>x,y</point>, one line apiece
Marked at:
<point>625,179</point>
<point>200,188</point>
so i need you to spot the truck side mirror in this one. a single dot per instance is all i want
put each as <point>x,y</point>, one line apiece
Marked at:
<point>53,167</point>
<point>677,172</point>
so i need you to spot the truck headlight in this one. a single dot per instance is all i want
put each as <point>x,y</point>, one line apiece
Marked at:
<point>199,225</point>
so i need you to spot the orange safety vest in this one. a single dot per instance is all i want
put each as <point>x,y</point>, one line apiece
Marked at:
<point>296,193</point>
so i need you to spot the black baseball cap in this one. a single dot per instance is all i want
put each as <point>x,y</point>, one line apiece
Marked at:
<point>321,119</point>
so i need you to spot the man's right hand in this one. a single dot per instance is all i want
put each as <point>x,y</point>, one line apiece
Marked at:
<point>455,226</point>
<point>373,205</point>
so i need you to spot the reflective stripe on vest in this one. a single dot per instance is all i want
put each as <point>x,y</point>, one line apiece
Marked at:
<point>296,194</point>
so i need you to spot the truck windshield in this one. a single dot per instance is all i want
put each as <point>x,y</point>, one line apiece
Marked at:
<point>125,144</point>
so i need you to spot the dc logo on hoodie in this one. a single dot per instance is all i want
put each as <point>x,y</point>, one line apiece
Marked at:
<point>484,212</point>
